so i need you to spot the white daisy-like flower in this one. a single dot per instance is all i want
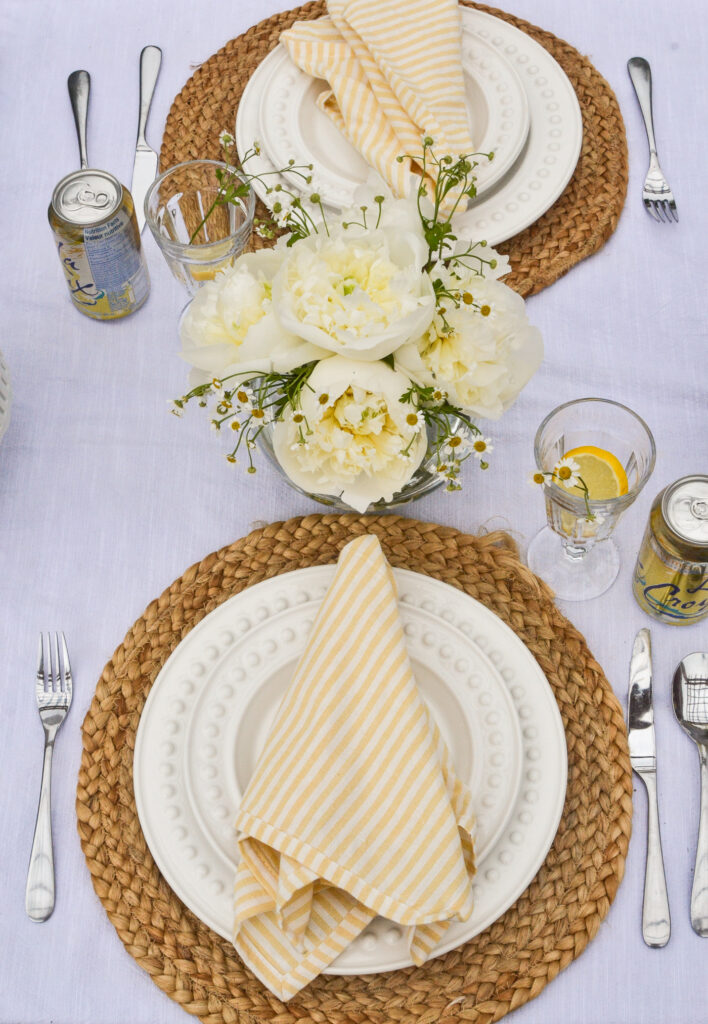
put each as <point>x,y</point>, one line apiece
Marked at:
<point>456,446</point>
<point>244,396</point>
<point>536,477</point>
<point>323,402</point>
<point>481,447</point>
<point>226,139</point>
<point>262,417</point>
<point>567,471</point>
<point>414,419</point>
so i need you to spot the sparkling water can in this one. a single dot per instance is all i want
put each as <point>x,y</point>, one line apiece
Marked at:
<point>98,242</point>
<point>671,575</point>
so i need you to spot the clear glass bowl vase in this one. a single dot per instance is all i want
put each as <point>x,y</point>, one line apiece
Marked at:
<point>425,479</point>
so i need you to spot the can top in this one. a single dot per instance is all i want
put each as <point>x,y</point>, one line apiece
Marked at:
<point>87,197</point>
<point>685,508</point>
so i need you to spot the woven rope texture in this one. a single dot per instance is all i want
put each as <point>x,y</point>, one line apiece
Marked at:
<point>576,226</point>
<point>545,930</point>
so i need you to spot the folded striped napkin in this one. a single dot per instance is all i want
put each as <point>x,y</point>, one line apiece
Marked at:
<point>354,808</point>
<point>395,74</point>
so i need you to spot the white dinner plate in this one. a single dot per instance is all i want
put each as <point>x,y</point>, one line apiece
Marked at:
<point>542,169</point>
<point>208,713</point>
<point>293,126</point>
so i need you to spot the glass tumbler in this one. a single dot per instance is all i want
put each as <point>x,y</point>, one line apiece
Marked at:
<point>196,234</point>
<point>574,554</point>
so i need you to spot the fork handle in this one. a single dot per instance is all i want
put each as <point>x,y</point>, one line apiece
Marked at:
<point>39,894</point>
<point>640,74</point>
<point>699,892</point>
<point>656,921</point>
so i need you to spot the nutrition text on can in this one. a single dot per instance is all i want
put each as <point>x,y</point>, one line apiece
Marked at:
<point>671,575</point>
<point>98,244</point>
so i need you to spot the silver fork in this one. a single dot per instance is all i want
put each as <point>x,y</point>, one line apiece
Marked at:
<point>658,197</point>
<point>53,691</point>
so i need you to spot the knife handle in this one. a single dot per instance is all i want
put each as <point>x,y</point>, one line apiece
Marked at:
<point>656,921</point>
<point>79,84</point>
<point>150,61</point>
<point>699,892</point>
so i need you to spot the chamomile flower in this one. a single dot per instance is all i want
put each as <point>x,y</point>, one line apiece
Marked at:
<point>456,446</point>
<point>226,139</point>
<point>244,397</point>
<point>261,417</point>
<point>323,402</point>
<point>414,419</point>
<point>481,446</point>
<point>567,471</point>
<point>537,477</point>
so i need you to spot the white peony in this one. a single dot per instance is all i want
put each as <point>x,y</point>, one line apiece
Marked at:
<point>230,323</point>
<point>355,292</point>
<point>352,437</point>
<point>488,354</point>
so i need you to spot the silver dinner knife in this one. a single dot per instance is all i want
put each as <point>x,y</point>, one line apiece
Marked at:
<point>145,163</point>
<point>656,922</point>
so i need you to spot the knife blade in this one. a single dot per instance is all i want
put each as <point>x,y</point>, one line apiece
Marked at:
<point>640,708</point>
<point>146,160</point>
<point>656,920</point>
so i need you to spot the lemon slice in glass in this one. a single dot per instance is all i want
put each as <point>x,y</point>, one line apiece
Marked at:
<point>601,471</point>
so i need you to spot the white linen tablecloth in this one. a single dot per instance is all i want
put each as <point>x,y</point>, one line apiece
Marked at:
<point>105,498</point>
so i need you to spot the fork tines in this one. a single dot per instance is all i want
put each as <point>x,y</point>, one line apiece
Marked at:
<point>53,671</point>
<point>662,210</point>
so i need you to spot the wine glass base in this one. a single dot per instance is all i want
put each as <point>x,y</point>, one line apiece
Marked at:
<point>573,579</point>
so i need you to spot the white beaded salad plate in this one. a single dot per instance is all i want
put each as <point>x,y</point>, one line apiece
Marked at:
<point>531,184</point>
<point>293,126</point>
<point>209,711</point>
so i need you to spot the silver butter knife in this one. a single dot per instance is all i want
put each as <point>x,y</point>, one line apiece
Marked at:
<point>656,922</point>
<point>145,163</point>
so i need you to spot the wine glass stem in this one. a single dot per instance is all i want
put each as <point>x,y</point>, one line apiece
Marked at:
<point>574,552</point>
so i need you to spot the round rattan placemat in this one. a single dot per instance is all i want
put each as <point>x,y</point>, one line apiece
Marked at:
<point>508,964</point>
<point>576,226</point>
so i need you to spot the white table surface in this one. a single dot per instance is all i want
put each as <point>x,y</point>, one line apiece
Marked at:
<point>105,498</point>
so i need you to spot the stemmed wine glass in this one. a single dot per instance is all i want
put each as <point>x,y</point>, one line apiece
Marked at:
<point>574,553</point>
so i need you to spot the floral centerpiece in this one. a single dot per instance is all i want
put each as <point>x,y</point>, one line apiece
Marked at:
<point>362,348</point>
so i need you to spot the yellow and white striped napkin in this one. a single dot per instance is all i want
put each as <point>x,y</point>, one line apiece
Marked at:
<point>354,808</point>
<point>395,74</point>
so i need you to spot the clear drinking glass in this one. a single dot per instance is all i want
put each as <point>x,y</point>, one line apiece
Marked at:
<point>175,207</point>
<point>576,557</point>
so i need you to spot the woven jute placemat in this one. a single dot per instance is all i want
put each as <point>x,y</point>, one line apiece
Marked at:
<point>576,226</point>
<point>508,964</point>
